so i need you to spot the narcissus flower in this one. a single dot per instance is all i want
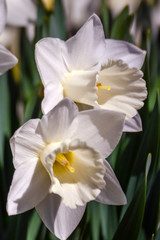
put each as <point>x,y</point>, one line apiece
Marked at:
<point>7,59</point>
<point>60,165</point>
<point>91,70</point>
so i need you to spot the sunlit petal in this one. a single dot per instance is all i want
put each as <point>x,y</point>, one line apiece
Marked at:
<point>58,218</point>
<point>29,186</point>
<point>55,125</point>
<point>104,132</point>
<point>125,51</point>
<point>87,52</point>
<point>25,144</point>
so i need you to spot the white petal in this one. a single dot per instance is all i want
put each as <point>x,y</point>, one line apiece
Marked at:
<point>133,124</point>
<point>101,129</point>
<point>80,86</point>
<point>125,51</point>
<point>25,143</point>
<point>127,88</point>
<point>29,186</point>
<point>112,193</point>
<point>87,47</point>
<point>84,184</point>
<point>54,126</point>
<point>58,218</point>
<point>50,54</point>
<point>19,13</point>
<point>2,15</point>
<point>52,96</point>
<point>7,60</point>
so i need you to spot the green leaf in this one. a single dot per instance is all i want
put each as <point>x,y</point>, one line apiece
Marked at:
<point>33,231</point>
<point>121,25</point>
<point>57,22</point>
<point>157,235</point>
<point>4,113</point>
<point>94,216</point>
<point>105,17</point>
<point>31,106</point>
<point>150,141</point>
<point>129,227</point>
<point>152,211</point>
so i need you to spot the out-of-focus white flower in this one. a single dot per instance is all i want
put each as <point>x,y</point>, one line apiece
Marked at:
<point>91,70</point>
<point>19,14</point>
<point>117,6</point>
<point>77,12</point>
<point>60,165</point>
<point>155,19</point>
<point>7,59</point>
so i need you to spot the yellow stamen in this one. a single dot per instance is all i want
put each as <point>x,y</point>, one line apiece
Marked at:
<point>60,158</point>
<point>99,85</point>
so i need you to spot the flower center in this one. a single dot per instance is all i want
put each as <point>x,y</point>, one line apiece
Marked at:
<point>63,161</point>
<point>99,85</point>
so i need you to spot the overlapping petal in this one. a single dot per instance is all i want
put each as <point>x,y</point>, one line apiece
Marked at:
<point>29,186</point>
<point>51,57</point>
<point>133,124</point>
<point>25,143</point>
<point>87,52</point>
<point>112,193</point>
<point>129,53</point>
<point>58,218</point>
<point>104,132</point>
<point>54,126</point>
<point>51,99</point>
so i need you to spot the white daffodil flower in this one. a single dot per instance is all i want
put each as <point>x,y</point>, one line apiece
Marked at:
<point>60,165</point>
<point>91,70</point>
<point>7,59</point>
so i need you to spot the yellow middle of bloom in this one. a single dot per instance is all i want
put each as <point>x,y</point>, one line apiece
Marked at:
<point>63,161</point>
